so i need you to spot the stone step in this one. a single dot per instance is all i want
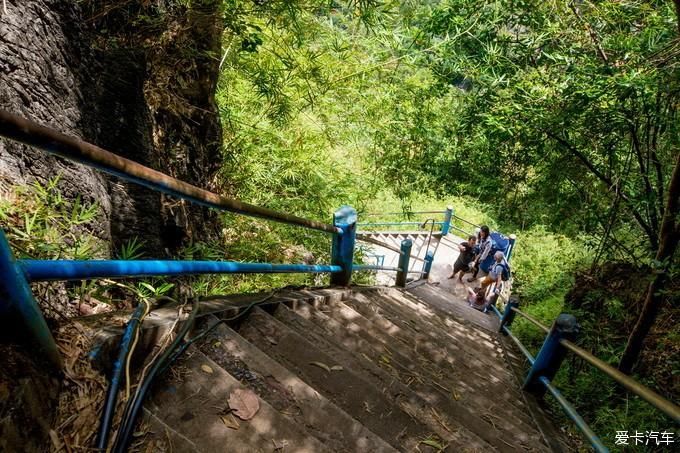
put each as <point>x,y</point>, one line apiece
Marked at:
<point>407,308</point>
<point>188,409</point>
<point>418,331</point>
<point>455,305</point>
<point>288,394</point>
<point>350,351</point>
<point>453,366</point>
<point>431,383</point>
<point>391,418</point>
<point>360,370</point>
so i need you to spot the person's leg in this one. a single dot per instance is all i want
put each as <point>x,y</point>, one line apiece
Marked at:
<point>475,271</point>
<point>463,271</point>
<point>457,267</point>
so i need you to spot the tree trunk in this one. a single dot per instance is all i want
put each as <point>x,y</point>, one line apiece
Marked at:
<point>147,93</point>
<point>668,242</point>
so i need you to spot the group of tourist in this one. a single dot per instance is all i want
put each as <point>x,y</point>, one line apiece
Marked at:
<point>473,252</point>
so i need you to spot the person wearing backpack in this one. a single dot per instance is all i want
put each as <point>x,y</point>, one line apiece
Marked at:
<point>498,273</point>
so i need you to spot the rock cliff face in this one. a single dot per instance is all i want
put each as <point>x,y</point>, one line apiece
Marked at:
<point>136,78</point>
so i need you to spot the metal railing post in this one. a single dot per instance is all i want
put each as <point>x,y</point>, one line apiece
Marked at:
<point>403,262</point>
<point>17,304</point>
<point>342,252</point>
<point>427,267</point>
<point>511,246</point>
<point>448,214</point>
<point>508,314</point>
<point>552,353</point>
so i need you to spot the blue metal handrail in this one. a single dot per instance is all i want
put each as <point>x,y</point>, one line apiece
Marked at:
<point>15,275</point>
<point>403,213</point>
<point>372,267</point>
<point>394,223</point>
<point>544,367</point>
<point>445,223</point>
<point>25,131</point>
<point>46,270</point>
<point>575,416</point>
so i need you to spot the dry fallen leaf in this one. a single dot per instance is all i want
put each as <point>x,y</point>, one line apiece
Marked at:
<point>279,446</point>
<point>321,365</point>
<point>244,403</point>
<point>336,368</point>
<point>54,437</point>
<point>207,369</point>
<point>230,421</point>
<point>434,444</point>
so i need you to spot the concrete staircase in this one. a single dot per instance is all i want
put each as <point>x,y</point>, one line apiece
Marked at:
<point>360,370</point>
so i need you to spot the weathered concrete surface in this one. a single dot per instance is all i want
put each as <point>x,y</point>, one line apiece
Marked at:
<point>351,370</point>
<point>194,406</point>
<point>390,370</point>
<point>446,252</point>
<point>290,394</point>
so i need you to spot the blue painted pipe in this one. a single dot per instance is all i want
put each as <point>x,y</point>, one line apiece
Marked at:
<point>45,270</point>
<point>395,223</point>
<point>575,417</point>
<point>16,301</point>
<point>25,131</point>
<point>552,353</point>
<point>342,246</point>
<point>509,314</point>
<point>370,267</point>
<point>405,214</point>
<point>427,267</point>
<point>403,263</point>
<point>446,224</point>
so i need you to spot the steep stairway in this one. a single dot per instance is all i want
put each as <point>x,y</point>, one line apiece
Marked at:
<point>361,370</point>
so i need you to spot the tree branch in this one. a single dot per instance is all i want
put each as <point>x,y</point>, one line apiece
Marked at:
<point>591,32</point>
<point>651,234</point>
<point>644,171</point>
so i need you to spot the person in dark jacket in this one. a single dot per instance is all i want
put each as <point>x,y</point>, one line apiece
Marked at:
<point>465,258</point>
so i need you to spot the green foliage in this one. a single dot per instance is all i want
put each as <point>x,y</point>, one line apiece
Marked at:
<point>147,290</point>
<point>251,240</point>
<point>543,263</point>
<point>43,224</point>
<point>131,250</point>
<point>565,103</point>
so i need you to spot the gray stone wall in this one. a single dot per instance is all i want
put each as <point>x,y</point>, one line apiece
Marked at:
<point>41,78</point>
<point>144,95</point>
